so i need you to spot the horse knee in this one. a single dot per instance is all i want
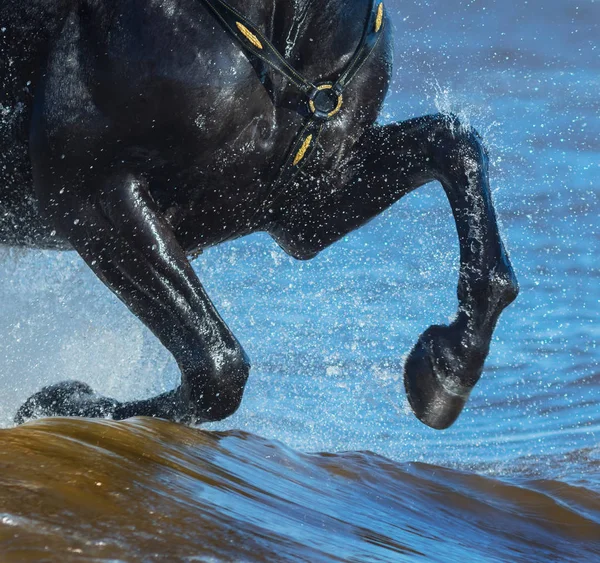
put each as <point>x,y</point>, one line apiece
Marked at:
<point>449,124</point>
<point>230,390</point>
<point>457,142</point>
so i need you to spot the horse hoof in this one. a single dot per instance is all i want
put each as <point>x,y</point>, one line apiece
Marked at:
<point>68,398</point>
<point>435,394</point>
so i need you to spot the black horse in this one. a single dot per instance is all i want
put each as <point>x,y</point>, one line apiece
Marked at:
<point>139,132</point>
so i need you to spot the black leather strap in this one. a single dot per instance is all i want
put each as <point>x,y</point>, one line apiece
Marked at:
<point>252,40</point>
<point>371,35</point>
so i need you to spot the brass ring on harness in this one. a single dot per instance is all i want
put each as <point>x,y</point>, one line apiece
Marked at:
<point>325,107</point>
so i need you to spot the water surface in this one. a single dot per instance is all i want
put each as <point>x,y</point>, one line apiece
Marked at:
<point>327,340</point>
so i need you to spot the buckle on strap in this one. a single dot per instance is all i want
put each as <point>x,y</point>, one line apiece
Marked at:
<point>325,100</point>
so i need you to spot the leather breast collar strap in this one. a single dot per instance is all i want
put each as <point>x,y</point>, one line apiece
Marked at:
<point>323,100</point>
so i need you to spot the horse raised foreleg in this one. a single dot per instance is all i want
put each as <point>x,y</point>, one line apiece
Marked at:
<point>126,242</point>
<point>389,162</point>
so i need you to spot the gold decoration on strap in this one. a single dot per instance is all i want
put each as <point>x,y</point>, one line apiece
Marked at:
<point>379,18</point>
<point>249,35</point>
<point>303,150</point>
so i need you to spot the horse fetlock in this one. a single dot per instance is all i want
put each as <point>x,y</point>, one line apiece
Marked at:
<point>485,296</point>
<point>505,285</point>
<point>216,393</point>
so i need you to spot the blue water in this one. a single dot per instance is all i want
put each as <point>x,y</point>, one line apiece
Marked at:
<point>327,337</point>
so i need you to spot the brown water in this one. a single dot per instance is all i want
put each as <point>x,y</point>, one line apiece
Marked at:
<point>142,490</point>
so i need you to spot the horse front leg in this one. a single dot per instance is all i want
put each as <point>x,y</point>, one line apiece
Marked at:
<point>447,361</point>
<point>113,223</point>
<point>389,162</point>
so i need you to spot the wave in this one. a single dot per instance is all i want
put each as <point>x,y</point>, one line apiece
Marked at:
<point>143,489</point>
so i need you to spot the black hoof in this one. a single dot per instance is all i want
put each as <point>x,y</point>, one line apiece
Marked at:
<point>68,398</point>
<point>435,392</point>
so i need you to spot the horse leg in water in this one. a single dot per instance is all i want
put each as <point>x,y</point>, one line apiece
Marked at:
<point>389,162</point>
<point>131,248</point>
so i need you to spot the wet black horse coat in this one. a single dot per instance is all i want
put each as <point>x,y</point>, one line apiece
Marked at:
<point>139,132</point>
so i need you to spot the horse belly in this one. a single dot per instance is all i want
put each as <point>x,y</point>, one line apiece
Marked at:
<point>21,223</point>
<point>26,27</point>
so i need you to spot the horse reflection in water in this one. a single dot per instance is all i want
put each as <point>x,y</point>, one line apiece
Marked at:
<point>139,133</point>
